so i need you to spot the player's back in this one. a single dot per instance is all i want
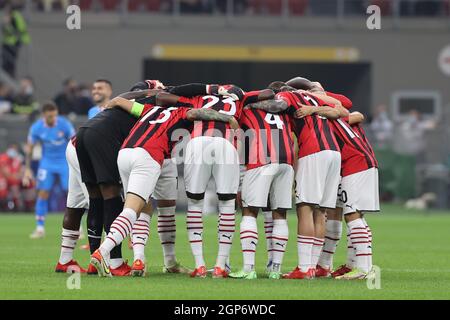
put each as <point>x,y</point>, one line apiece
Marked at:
<point>358,128</point>
<point>53,139</point>
<point>153,130</point>
<point>355,155</point>
<point>268,138</point>
<point>114,123</point>
<point>313,132</point>
<point>225,105</point>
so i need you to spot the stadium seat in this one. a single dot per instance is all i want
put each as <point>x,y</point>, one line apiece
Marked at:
<point>385,6</point>
<point>297,7</point>
<point>153,5</point>
<point>135,5</point>
<point>110,5</point>
<point>85,5</point>
<point>255,6</point>
<point>274,7</point>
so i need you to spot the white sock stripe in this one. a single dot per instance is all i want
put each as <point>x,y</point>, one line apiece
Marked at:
<point>249,231</point>
<point>279,238</point>
<point>249,237</point>
<point>305,237</point>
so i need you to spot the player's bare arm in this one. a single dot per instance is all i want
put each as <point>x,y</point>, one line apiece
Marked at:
<point>324,111</point>
<point>211,115</point>
<point>355,118</point>
<point>119,102</point>
<point>28,173</point>
<point>139,94</point>
<point>300,83</point>
<point>272,106</point>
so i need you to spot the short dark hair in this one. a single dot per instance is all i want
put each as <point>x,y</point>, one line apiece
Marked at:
<point>49,106</point>
<point>276,86</point>
<point>141,85</point>
<point>105,81</point>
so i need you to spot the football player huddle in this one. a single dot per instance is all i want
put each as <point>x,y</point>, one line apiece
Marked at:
<point>257,146</point>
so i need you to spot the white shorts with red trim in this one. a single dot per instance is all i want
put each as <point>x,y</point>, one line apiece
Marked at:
<point>317,178</point>
<point>77,195</point>
<point>359,192</point>
<point>271,182</point>
<point>139,172</point>
<point>207,157</point>
<point>167,185</point>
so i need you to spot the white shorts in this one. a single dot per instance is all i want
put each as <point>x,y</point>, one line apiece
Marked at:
<point>167,185</point>
<point>271,182</point>
<point>139,172</point>
<point>359,192</point>
<point>317,178</point>
<point>77,195</point>
<point>211,156</point>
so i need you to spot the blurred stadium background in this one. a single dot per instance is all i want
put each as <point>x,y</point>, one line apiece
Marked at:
<point>397,76</point>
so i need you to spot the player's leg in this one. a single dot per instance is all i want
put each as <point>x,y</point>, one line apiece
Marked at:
<point>331,162</point>
<point>166,194</point>
<point>75,207</point>
<point>308,191</point>
<point>88,177</point>
<point>139,173</point>
<point>226,173</point>
<point>249,242</point>
<point>112,207</point>
<point>139,235</point>
<point>95,217</point>
<point>255,194</point>
<point>197,172</point>
<point>268,229</point>
<point>281,201</point>
<point>45,180</point>
<point>333,234</point>
<point>69,237</point>
<point>361,196</point>
<point>319,234</point>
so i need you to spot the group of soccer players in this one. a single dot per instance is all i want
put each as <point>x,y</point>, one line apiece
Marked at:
<point>255,145</point>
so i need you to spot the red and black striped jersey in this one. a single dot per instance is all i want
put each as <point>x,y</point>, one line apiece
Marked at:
<point>314,133</point>
<point>225,105</point>
<point>358,128</point>
<point>153,130</point>
<point>221,104</point>
<point>355,155</point>
<point>268,138</point>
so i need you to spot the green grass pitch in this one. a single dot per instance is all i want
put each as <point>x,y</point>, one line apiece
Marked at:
<point>411,248</point>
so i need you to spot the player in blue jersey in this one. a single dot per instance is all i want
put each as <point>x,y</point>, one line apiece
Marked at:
<point>101,94</point>
<point>52,132</point>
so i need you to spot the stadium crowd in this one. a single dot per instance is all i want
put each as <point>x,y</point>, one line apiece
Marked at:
<point>73,98</point>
